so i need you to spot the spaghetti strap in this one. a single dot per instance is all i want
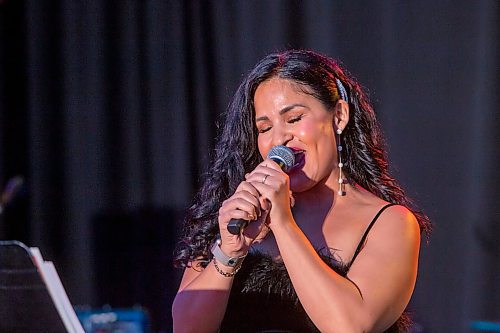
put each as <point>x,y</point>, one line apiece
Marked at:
<point>363,239</point>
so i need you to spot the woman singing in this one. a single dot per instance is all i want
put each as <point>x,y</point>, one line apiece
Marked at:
<point>331,245</point>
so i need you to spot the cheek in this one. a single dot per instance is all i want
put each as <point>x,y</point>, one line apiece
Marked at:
<point>307,131</point>
<point>321,140</point>
<point>312,131</point>
<point>263,145</point>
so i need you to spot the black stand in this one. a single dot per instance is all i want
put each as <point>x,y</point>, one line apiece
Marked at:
<point>25,302</point>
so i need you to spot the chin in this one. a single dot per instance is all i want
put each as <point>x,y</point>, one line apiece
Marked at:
<point>301,183</point>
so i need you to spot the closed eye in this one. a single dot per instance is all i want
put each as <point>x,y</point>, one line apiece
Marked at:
<point>264,129</point>
<point>294,119</point>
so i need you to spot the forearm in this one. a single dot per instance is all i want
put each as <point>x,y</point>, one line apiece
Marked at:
<point>332,302</point>
<point>201,305</point>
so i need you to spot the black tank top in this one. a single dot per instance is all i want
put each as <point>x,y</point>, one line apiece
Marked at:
<point>263,299</point>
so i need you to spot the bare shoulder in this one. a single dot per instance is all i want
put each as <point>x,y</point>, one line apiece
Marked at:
<point>390,250</point>
<point>395,234</point>
<point>397,223</point>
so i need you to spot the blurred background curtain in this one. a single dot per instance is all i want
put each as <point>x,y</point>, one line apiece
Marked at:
<point>108,110</point>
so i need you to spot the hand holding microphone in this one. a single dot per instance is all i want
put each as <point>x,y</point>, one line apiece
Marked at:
<point>285,158</point>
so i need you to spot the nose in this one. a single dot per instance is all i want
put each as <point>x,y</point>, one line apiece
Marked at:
<point>281,136</point>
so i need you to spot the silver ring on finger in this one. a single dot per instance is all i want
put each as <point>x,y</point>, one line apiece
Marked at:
<point>264,179</point>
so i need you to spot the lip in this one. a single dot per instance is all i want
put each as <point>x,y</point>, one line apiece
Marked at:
<point>296,150</point>
<point>299,158</point>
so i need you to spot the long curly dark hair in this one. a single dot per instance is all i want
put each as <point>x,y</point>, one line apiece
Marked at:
<point>236,151</point>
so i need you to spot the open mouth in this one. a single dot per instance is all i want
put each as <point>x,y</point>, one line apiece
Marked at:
<point>299,158</point>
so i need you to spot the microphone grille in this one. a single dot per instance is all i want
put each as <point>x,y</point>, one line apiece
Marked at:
<point>284,155</point>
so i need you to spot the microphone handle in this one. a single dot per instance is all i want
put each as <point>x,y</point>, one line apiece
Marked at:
<point>235,227</point>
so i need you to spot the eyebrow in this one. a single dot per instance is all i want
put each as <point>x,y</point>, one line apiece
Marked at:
<point>282,111</point>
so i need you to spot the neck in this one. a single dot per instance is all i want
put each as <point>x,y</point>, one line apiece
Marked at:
<point>315,204</point>
<point>324,193</point>
<point>324,196</point>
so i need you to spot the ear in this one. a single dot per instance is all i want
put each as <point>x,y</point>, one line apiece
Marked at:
<point>341,114</point>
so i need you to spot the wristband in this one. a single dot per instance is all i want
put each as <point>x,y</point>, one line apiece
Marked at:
<point>224,259</point>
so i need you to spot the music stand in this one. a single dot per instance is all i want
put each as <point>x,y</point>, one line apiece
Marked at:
<point>26,304</point>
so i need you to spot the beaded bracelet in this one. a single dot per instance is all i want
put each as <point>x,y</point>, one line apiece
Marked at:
<point>226,274</point>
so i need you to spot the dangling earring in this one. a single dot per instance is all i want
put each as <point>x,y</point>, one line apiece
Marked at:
<point>342,180</point>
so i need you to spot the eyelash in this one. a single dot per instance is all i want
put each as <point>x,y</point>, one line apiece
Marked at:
<point>294,119</point>
<point>290,121</point>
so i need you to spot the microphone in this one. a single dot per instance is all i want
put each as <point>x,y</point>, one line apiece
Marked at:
<point>285,158</point>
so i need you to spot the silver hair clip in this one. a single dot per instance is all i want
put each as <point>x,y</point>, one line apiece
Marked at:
<point>342,91</point>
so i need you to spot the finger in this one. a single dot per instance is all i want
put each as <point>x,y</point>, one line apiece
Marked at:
<point>255,228</point>
<point>274,179</point>
<point>251,198</point>
<point>273,188</point>
<point>265,189</point>
<point>250,193</point>
<point>265,204</point>
<point>269,163</point>
<point>263,177</point>
<point>257,177</point>
<point>235,215</point>
<point>242,204</point>
<point>267,169</point>
<point>246,186</point>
